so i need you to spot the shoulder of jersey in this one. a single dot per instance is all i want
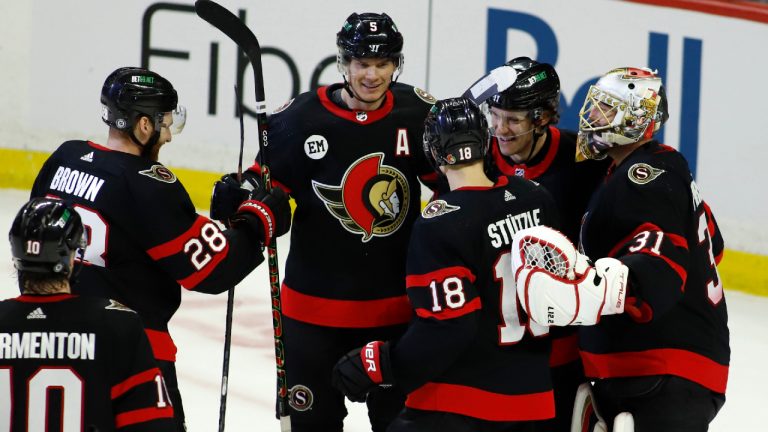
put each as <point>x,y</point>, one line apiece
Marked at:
<point>296,103</point>
<point>117,306</point>
<point>568,138</point>
<point>522,184</point>
<point>414,93</point>
<point>649,167</point>
<point>438,209</point>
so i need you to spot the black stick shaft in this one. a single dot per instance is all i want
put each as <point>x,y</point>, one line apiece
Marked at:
<point>235,29</point>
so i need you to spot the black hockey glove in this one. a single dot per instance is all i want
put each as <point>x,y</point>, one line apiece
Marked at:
<point>266,214</point>
<point>362,370</point>
<point>229,193</point>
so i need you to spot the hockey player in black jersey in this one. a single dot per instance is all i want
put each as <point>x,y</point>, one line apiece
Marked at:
<point>145,238</point>
<point>659,351</point>
<point>470,361</point>
<point>68,362</point>
<point>350,156</point>
<point>528,144</point>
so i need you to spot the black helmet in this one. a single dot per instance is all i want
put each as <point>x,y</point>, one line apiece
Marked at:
<point>537,87</point>
<point>43,236</point>
<point>130,93</point>
<point>455,131</point>
<point>369,35</point>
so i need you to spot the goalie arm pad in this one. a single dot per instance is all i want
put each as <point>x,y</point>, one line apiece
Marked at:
<point>552,300</point>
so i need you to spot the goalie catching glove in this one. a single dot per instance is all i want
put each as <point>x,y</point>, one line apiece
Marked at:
<point>556,285</point>
<point>362,370</point>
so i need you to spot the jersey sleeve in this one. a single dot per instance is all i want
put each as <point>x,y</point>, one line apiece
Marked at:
<point>446,303</point>
<point>139,399</point>
<point>191,248</point>
<point>651,221</point>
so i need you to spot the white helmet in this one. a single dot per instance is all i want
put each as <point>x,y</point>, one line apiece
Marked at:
<point>625,106</point>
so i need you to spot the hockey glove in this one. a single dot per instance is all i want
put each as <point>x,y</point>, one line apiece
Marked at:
<point>362,370</point>
<point>229,193</point>
<point>552,300</point>
<point>266,214</point>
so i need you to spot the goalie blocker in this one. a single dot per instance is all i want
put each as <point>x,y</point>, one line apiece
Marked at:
<point>559,286</point>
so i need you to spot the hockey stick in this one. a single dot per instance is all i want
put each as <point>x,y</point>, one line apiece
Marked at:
<point>231,291</point>
<point>235,29</point>
<point>493,82</point>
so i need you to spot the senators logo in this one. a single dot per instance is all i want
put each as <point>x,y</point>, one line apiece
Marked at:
<point>642,173</point>
<point>372,199</point>
<point>159,173</point>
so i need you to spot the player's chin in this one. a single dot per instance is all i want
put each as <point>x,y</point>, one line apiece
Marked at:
<point>509,148</point>
<point>372,93</point>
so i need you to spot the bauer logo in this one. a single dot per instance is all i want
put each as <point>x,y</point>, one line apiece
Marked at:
<point>316,146</point>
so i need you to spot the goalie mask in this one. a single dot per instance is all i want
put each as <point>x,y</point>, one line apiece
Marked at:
<point>455,132</point>
<point>43,236</point>
<point>625,106</point>
<point>369,35</point>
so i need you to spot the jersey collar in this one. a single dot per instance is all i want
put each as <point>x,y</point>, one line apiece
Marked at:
<point>358,117</point>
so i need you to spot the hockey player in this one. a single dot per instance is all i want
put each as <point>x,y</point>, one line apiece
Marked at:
<point>350,156</point>
<point>69,362</point>
<point>469,360</point>
<point>659,351</point>
<point>528,144</point>
<point>145,238</point>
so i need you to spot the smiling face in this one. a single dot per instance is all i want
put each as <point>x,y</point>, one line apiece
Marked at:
<point>369,80</point>
<point>513,131</point>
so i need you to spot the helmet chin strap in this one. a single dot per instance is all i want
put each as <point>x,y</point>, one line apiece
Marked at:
<point>146,148</point>
<point>534,138</point>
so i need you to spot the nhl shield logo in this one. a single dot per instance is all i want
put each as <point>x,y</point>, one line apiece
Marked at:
<point>361,116</point>
<point>372,199</point>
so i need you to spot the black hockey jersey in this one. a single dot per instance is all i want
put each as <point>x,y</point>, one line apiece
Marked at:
<point>650,215</point>
<point>145,239</point>
<point>554,166</point>
<point>471,350</point>
<point>571,185</point>
<point>78,363</point>
<point>354,178</point>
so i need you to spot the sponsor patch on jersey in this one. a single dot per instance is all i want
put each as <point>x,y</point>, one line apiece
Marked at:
<point>424,95</point>
<point>642,173</point>
<point>116,305</point>
<point>372,200</point>
<point>300,397</point>
<point>283,107</point>
<point>159,173</point>
<point>316,147</point>
<point>437,208</point>
<point>508,196</point>
<point>88,157</point>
